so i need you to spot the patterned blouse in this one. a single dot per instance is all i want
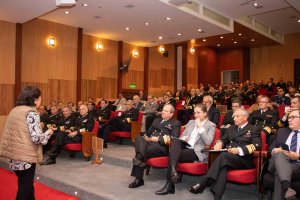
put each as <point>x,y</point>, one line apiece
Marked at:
<point>37,137</point>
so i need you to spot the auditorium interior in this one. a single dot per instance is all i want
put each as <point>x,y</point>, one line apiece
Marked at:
<point>74,50</point>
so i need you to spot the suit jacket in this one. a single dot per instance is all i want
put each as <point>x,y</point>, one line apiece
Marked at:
<point>228,119</point>
<point>281,137</point>
<point>214,115</point>
<point>202,139</point>
<point>149,109</point>
<point>103,114</point>
<point>248,139</point>
<point>160,129</point>
<point>138,106</point>
<point>83,123</point>
<point>268,118</point>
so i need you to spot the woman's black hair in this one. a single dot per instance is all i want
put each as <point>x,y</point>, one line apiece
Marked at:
<point>28,95</point>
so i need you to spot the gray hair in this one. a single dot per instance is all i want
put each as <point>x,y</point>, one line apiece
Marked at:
<point>244,112</point>
<point>172,109</point>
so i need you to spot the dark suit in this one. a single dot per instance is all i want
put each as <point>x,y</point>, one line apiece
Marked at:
<point>51,121</point>
<point>138,106</point>
<point>228,119</point>
<point>281,164</point>
<point>248,139</point>
<point>145,150</point>
<point>103,115</point>
<point>188,111</point>
<point>214,115</point>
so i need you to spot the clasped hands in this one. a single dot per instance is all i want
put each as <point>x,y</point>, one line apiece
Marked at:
<point>150,139</point>
<point>234,150</point>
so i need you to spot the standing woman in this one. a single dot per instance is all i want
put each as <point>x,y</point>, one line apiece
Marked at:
<point>22,140</point>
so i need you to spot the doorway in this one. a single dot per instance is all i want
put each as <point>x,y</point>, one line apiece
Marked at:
<point>230,76</point>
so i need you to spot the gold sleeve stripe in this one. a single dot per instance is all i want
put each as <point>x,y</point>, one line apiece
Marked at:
<point>280,124</point>
<point>251,148</point>
<point>268,129</point>
<point>167,139</point>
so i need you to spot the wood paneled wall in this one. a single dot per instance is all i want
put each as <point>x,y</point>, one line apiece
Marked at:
<point>192,68</point>
<point>51,68</point>
<point>161,70</point>
<point>99,68</point>
<point>7,69</point>
<point>208,66</point>
<point>135,72</point>
<point>275,61</point>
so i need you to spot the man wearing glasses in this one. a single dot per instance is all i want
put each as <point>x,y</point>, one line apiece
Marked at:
<point>286,157</point>
<point>295,104</point>
<point>264,118</point>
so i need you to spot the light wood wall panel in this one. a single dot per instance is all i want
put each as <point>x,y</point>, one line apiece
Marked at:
<point>59,90</point>
<point>161,70</point>
<point>99,68</point>
<point>2,124</point>
<point>7,52</point>
<point>135,72</point>
<point>53,69</point>
<point>275,61</point>
<point>6,98</point>
<point>192,68</point>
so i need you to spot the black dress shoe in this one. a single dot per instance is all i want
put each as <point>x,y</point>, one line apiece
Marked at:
<point>174,175</point>
<point>196,189</point>
<point>136,183</point>
<point>49,162</point>
<point>169,188</point>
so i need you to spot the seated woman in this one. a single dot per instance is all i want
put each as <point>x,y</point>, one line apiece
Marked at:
<point>187,148</point>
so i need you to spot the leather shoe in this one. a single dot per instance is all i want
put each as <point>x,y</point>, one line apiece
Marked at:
<point>196,189</point>
<point>169,188</point>
<point>174,175</point>
<point>136,183</point>
<point>290,194</point>
<point>49,162</point>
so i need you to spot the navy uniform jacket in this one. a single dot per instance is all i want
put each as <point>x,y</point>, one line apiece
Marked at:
<point>281,100</point>
<point>132,114</point>
<point>228,119</point>
<point>193,101</point>
<point>214,115</point>
<point>165,129</point>
<point>103,114</point>
<point>52,120</point>
<point>248,139</point>
<point>68,123</point>
<point>83,124</point>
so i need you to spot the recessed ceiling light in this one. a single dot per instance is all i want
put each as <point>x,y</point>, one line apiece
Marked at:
<point>85,5</point>
<point>240,34</point>
<point>127,28</point>
<point>160,37</point>
<point>252,40</point>
<point>179,34</point>
<point>67,12</point>
<point>234,42</point>
<point>255,4</point>
<point>168,18</point>
<point>218,45</point>
<point>199,30</point>
<point>147,23</point>
<point>221,37</point>
<point>298,20</point>
<point>204,40</point>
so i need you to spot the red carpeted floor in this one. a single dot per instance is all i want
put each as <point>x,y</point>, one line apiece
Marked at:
<point>8,189</point>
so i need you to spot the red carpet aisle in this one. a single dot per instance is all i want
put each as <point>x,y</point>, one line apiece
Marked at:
<point>8,189</point>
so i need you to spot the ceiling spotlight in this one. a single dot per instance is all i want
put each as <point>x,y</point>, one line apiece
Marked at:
<point>67,12</point>
<point>85,5</point>
<point>298,20</point>
<point>221,37</point>
<point>200,30</point>
<point>179,34</point>
<point>204,40</point>
<point>168,18</point>
<point>234,42</point>
<point>147,23</point>
<point>240,34</point>
<point>160,37</point>
<point>252,40</point>
<point>256,4</point>
<point>127,28</point>
<point>218,45</point>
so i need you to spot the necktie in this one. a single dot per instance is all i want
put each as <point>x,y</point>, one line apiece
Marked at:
<point>239,128</point>
<point>293,146</point>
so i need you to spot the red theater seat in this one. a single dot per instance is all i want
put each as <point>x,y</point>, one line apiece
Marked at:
<point>86,145</point>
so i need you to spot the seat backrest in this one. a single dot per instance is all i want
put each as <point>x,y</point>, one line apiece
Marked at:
<point>96,127</point>
<point>115,113</point>
<point>179,105</point>
<point>140,117</point>
<point>217,137</point>
<point>246,107</point>
<point>181,130</point>
<point>281,109</point>
<point>221,119</point>
<point>264,146</point>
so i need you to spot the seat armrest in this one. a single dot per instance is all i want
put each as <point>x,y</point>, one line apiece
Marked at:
<point>87,138</point>
<point>135,129</point>
<point>256,153</point>
<point>264,154</point>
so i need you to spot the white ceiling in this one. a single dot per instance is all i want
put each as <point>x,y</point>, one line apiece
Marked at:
<point>109,18</point>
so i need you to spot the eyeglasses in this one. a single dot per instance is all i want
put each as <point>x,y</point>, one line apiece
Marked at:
<point>263,102</point>
<point>293,117</point>
<point>197,113</point>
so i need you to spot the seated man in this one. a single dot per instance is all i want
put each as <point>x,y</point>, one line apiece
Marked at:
<point>148,110</point>
<point>154,143</point>
<point>70,130</point>
<point>213,112</point>
<point>286,160</point>
<point>197,134</point>
<point>280,98</point>
<point>102,116</point>
<point>241,140</point>
<point>119,103</point>
<point>121,123</point>
<point>229,117</point>
<point>295,104</point>
<point>137,104</point>
<point>264,119</point>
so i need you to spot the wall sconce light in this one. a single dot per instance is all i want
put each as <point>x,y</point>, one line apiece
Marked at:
<point>51,41</point>
<point>99,47</point>
<point>192,50</point>
<point>162,49</point>
<point>135,53</point>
